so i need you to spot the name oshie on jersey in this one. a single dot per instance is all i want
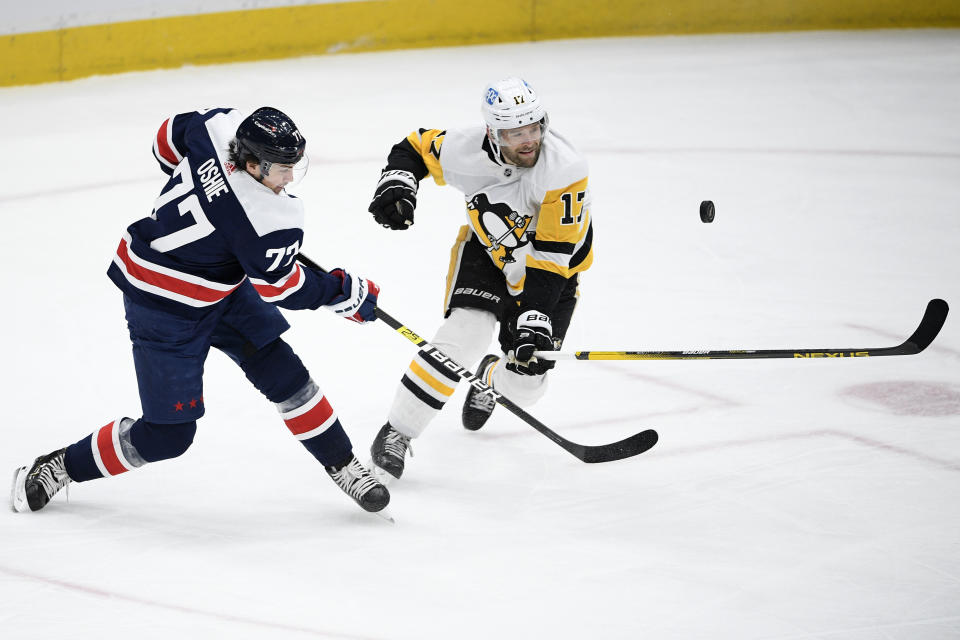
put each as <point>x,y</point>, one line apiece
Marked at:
<point>212,227</point>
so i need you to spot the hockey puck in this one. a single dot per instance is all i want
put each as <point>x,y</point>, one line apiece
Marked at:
<point>707,211</point>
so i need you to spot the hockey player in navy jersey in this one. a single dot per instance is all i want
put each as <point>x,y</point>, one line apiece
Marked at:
<point>208,267</point>
<point>517,262</point>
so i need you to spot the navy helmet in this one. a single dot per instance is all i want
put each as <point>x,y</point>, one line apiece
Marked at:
<point>269,135</point>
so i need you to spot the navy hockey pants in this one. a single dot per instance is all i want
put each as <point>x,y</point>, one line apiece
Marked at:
<point>169,352</point>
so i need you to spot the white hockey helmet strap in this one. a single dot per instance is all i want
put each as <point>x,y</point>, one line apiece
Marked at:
<point>511,103</point>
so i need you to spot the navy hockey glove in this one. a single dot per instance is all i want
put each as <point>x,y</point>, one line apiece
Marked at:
<point>395,199</point>
<point>533,333</point>
<point>357,300</point>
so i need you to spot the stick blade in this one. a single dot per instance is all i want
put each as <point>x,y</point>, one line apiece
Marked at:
<point>626,448</point>
<point>930,325</point>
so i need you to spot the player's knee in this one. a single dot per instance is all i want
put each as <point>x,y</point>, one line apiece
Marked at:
<point>299,398</point>
<point>155,442</point>
<point>465,334</point>
<point>276,371</point>
<point>523,390</point>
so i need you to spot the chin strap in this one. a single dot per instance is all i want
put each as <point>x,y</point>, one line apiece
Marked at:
<point>497,154</point>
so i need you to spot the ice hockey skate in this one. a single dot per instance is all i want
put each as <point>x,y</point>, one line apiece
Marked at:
<point>479,405</point>
<point>358,483</point>
<point>34,486</point>
<point>389,450</point>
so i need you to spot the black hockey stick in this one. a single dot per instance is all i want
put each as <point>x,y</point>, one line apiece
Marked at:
<point>930,324</point>
<point>626,448</point>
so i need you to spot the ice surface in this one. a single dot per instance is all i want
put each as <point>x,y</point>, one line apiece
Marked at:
<point>786,499</point>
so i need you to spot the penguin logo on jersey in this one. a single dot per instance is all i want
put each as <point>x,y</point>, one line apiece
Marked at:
<point>498,226</point>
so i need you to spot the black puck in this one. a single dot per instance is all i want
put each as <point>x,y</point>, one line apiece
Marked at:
<point>707,211</point>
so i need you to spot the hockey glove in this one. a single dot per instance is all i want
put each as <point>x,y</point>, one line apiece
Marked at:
<point>395,199</point>
<point>533,333</point>
<point>357,300</point>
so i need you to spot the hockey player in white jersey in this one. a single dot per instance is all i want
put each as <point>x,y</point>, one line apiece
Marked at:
<point>517,262</point>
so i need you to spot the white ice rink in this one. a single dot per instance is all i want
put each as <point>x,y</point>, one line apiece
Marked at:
<point>786,500</point>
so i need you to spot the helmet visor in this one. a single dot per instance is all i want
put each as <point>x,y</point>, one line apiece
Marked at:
<point>520,136</point>
<point>284,174</point>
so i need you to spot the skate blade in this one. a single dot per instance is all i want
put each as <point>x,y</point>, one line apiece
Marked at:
<point>386,515</point>
<point>18,495</point>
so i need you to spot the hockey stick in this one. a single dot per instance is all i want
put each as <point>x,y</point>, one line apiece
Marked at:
<point>930,324</point>
<point>626,448</point>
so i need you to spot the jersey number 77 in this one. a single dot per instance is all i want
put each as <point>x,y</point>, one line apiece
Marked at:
<point>200,227</point>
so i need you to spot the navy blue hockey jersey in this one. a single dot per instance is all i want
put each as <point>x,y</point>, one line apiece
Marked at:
<point>212,227</point>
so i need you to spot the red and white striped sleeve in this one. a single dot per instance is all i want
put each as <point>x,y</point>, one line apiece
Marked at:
<point>282,288</point>
<point>168,144</point>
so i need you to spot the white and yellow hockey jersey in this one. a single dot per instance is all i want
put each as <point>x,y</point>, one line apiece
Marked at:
<point>537,217</point>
